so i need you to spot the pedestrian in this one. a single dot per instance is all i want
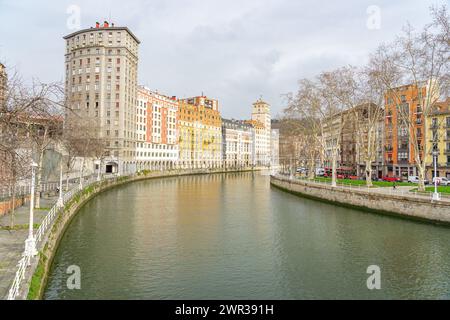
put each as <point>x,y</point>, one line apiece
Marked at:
<point>393,185</point>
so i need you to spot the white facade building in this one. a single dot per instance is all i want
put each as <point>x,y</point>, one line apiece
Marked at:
<point>237,143</point>
<point>261,121</point>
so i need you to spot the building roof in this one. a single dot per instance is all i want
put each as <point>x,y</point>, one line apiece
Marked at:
<point>260,101</point>
<point>235,122</point>
<point>102,29</point>
<point>441,107</point>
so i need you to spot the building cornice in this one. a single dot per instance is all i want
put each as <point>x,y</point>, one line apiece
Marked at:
<point>92,29</point>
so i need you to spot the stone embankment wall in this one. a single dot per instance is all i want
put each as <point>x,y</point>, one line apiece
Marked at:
<point>403,206</point>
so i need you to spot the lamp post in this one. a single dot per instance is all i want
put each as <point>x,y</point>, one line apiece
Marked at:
<point>290,169</point>
<point>98,163</point>
<point>60,202</point>
<point>436,195</point>
<point>81,174</point>
<point>30,243</point>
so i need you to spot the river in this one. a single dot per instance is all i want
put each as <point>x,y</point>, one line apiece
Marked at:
<point>233,236</point>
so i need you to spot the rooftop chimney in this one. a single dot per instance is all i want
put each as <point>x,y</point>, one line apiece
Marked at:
<point>97,25</point>
<point>106,24</point>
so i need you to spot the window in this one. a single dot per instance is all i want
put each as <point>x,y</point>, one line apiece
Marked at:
<point>434,122</point>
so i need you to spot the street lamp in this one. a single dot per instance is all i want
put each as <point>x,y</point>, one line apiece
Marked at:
<point>98,163</point>
<point>60,202</point>
<point>30,243</point>
<point>81,175</point>
<point>436,195</point>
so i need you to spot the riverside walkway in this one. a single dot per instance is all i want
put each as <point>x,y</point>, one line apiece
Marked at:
<point>13,241</point>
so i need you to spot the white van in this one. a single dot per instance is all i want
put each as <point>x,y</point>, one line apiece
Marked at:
<point>320,172</point>
<point>442,181</point>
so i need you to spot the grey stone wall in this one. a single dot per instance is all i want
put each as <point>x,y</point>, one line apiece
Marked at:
<point>414,208</point>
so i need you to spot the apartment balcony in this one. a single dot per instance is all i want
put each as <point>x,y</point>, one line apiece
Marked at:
<point>447,151</point>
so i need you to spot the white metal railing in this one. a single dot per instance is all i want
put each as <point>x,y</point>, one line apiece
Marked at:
<point>25,189</point>
<point>20,276</point>
<point>428,195</point>
<point>42,230</point>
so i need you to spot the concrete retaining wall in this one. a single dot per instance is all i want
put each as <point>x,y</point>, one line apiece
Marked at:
<point>419,209</point>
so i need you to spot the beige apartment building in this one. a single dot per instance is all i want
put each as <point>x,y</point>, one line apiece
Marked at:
<point>101,87</point>
<point>200,139</point>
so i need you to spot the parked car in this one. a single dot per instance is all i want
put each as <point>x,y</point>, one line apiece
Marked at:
<point>340,176</point>
<point>302,170</point>
<point>320,172</point>
<point>415,179</point>
<point>443,181</point>
<point>391,179</point>
<point>353,177</point>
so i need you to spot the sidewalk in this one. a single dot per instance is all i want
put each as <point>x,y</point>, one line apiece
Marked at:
<point>13,241</point>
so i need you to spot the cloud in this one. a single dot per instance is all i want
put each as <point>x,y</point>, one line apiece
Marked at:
<point>232,50</point>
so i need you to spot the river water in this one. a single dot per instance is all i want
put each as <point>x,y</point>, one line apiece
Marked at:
<point>233,236</point>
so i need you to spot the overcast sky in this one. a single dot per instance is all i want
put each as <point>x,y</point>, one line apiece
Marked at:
<point>235,51</point>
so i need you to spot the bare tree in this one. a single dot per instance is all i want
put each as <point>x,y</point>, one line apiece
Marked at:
<point>81,140</point>
<point>307,107</point>
<point>339,93</point>
<point>368,119</point>
<point>43,122</point>
<point>15,158</point>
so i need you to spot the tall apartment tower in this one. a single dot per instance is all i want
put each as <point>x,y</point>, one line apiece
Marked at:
<point>101,66</point>
<point>261,113</point>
